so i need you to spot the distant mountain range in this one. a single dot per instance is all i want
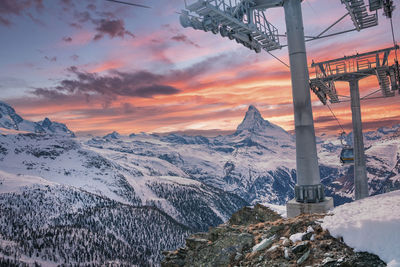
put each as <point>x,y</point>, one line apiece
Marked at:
<point>10,120</point>
<point>144,193</point>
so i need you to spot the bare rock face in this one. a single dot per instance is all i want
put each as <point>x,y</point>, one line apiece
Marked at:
<point>258,214</point>
<point>260,237</point>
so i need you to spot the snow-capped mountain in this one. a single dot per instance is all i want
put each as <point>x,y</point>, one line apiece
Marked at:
<point>9,119</point>
<point>253,122</point>
<point>52,127</point>
<point>190,181</point>
<point>113,135</point>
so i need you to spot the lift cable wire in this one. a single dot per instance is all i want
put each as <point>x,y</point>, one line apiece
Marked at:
<point>127,3</point>
<point>333,114</point>
<point>394,39</point>
<point>280,60</point>
<point>366,97</point>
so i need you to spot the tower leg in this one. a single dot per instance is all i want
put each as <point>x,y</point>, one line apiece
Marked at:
<point>308,188</point>
<point>360,172</point>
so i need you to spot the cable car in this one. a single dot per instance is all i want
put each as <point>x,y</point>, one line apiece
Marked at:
<point>347,155</point>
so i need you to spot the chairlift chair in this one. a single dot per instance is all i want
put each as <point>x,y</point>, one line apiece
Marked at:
<point>347,153</point>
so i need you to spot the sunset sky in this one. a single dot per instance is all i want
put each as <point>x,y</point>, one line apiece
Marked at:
<point>100,66</point>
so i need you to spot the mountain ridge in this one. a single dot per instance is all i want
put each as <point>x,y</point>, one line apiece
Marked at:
<point>197,181</point>
<point>10,120</point>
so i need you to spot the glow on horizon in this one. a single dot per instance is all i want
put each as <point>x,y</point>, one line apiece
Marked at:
<point>213,79</point>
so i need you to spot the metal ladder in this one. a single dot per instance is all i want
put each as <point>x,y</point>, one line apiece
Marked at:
<point>317,85</point>
<point>359,15</point>
<point>384,83</point>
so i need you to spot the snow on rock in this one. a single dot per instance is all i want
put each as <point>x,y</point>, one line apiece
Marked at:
<point>9,119</point>
<point>281,210</point>
<point>113,135</point>
<point>57,128</point>
<point>371,224</point>
<point>254,122</point>
<point>299,236</point>
<point>264,244</point>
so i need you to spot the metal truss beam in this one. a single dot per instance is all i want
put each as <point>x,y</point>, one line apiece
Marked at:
<point>358,66</point>
<point>239,20</point>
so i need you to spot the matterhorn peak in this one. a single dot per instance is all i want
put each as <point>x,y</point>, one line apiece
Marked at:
<point>253,121</point>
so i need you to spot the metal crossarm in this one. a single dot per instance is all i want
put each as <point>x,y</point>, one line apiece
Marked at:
<point>355,67</point>
<point>235,19</point>
<point>359,14</point>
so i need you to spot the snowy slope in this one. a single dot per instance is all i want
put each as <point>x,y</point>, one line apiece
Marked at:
<point>195,180</point>
<point>371,225</point>
<point>257,162</point>
<point>52,224</point>
<point>123,177</point>
<point>15,183</point>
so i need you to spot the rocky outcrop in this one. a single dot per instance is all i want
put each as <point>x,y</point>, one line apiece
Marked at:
<point>260,237</point>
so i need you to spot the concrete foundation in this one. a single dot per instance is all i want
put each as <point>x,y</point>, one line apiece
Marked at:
<point>295,208</point>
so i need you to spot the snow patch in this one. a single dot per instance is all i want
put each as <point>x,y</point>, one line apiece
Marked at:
<point>15,182</point>
<point>371,224</point>
<point>281,210</point>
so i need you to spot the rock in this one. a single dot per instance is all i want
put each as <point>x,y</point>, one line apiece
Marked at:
<point>287,253</point>
<point>264,244</point>
<point>286,242</point>
<point>258,214</point>
<point>328,260</point>
<point>233,245</point>
<point>304,257</point>
<point>361,259</point>
<point>196,243</point>
<point>307,236</point>
<point>238,256</point>
<point>328,254</point>
<point>273,248</point>
<point>220,252</point>
<point>217,232</point>
<point>312,238</point>
<point>301,247</point>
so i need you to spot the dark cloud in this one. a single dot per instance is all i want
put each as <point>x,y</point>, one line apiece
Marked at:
<point>184,39</point>
<point>9,8</point>
<point>155,89</point>
<point>67,2</point>
<point>51,59</point>
<point>322,119</point>
<point>51,94</point>
<point>91,7</point>
<point>75,25</point>
<point>67,39</point>
<point>139,84</point>
<point>112,28</point>
<point>83,17</point>
<point>105,23</point>
<point>75,57</point>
